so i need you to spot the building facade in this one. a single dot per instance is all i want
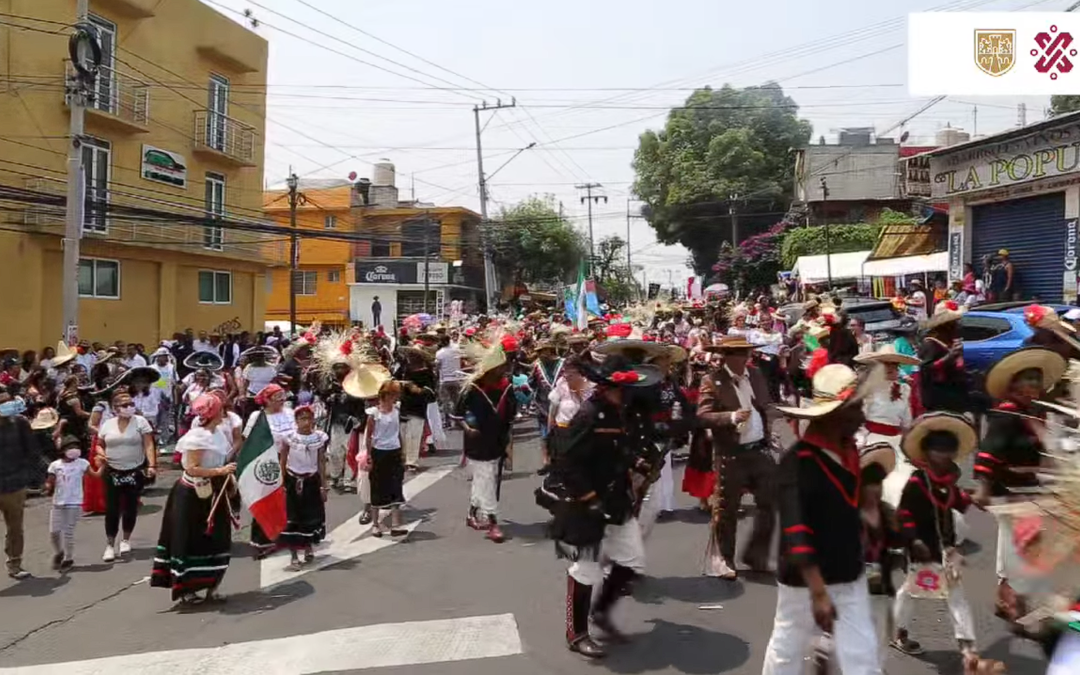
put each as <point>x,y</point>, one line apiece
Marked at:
<point>176,126</point>
<point>1019,191</point>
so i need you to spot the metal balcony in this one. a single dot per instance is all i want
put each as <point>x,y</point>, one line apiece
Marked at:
<point>223,138</point>
<point>119,102</point>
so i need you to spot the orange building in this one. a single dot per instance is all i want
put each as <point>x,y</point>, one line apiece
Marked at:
<point>322,291</point>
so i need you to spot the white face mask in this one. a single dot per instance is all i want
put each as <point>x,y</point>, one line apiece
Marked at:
<point>126,410</point>
<point>72,453</point>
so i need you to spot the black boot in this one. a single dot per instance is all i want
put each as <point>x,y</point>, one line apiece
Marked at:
<point>578,599</point>
<point>612,590</point>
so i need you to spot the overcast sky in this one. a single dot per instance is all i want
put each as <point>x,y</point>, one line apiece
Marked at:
<point>588,78</point>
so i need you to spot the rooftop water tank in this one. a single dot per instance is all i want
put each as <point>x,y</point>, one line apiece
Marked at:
<point>384,174</point>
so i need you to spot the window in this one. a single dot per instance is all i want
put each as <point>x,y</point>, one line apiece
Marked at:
<point>305,282</point>
<point>218,107</point>
<point>380,248</point>
<point>330,223</point>
<point>420,238</point>
<point>215,288</point>
<point>105,92</point>
<point>99,278</point>
<point>976,328</point>
<point>214,237</point>
<point>96,160</point>
<point>334,276</point>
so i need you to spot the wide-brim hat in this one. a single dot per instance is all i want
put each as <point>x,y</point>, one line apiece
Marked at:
<point>635,351</point>
<point>418,352</point>
<point>731,343</point>
<point>208,360</point>
<point>46,418</point>
<point>110,383</point>
<point>268,353</point>
<point>1001,374</point>
<point>958,425</point>
<point>577,339</point>
<point>485,360</point>
<point>675,353</point>
<point>907,326</point>
<point>835,386</point>
<point>544,345</point>
<point>147,373</point>
<point>617,370</point>
<point>881,454</point>
<point>1040,316</point>
<point>364,381</point>
<point>64,354</point>
<point>945,312</point>
<point>105,355</point>
<point>888,354</point>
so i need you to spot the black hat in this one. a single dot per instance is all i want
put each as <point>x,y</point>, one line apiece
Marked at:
<point>141,372</point>
<point>618,371</point>
<point>209,360</point>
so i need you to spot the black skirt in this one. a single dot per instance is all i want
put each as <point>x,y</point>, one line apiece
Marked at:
<point>191,555</point>
<point>305,510</point>
<point>387,478</point>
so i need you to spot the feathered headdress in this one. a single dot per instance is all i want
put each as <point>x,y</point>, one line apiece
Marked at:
<point>341,348</point>
<point>307,339</point>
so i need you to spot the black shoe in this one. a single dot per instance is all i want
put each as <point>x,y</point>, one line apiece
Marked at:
<point>67,565</point>
<point>578,597</point>
<point>365,517</point>
<point>586,647</point>
<point>57,560</point>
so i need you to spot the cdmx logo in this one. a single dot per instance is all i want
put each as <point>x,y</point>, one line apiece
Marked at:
<point>1054,52</point>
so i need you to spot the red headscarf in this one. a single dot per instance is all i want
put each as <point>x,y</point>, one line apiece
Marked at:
<point>207,407</point>
<point>268,392</point>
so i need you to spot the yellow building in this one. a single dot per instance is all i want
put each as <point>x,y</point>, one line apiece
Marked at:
<point>176,126</point>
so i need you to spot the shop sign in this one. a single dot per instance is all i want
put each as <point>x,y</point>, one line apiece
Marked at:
<point>1044,154</point>
<point>162,166</point>
<point>956,254</point>
<point>436,272</point>
<point>1070,284</point>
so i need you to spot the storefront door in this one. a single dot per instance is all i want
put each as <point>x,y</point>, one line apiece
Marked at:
<point>1034,232</point>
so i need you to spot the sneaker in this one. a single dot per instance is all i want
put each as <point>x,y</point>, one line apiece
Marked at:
<point>109,555</point>
<point>495,534</point>
<point>19,574</point>
<point>125,547</point>
<point>67,565</point>
<point>57,560</point>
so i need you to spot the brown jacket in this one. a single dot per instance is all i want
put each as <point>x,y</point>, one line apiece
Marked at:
<point>719,399</point>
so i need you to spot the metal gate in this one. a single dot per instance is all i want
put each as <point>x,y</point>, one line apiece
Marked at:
<point>1034,232</point>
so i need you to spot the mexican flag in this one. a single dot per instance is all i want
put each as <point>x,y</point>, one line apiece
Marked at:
<point>261,487</point>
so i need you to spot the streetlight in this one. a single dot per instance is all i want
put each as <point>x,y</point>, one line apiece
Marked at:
<point>489,268</point>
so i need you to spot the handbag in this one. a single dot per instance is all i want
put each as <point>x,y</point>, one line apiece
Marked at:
<point>927,581</point>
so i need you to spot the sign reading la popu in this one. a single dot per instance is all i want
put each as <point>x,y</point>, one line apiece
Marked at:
<point>1042,154</point>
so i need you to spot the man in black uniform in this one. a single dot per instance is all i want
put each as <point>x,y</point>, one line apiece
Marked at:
<point>606,442</point>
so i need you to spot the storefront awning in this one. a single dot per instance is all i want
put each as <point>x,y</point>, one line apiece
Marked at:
<point>814,269</point>
<point>911,264</point>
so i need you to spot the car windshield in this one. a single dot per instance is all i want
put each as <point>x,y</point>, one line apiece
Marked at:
<point>873,314</point>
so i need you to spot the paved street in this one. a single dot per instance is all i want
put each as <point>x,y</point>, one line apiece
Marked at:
<point>443,602</point>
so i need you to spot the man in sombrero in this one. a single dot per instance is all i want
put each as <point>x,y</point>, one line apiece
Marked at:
<point>735,405</point>
<point>943,383</point>
<point>542,378</point>
<point>821,578</point>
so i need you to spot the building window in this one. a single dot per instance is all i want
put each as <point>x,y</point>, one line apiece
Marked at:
<point>97,156</point>
<point>306,282</point>
<point>216,120</point>
<point>215,288</point>
<point>420,238</point>
<point>330,223</point>
<point>106,95</point>
<point>99,278</point>
<point>214,236</point>
<point>380,248</point>
<point>334,276</point>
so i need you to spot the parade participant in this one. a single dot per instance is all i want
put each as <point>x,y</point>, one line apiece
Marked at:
<point>65,486</point>
<point>821,580</point>
<point>387,463</point>
<point>418,390</point>
<point>943,383</point>
<point>881,534</point>
<point>486,412</point>
<point>451,376</point>
<point>282,424</point>
<point>196,529</point>
<point>126,444</point>
<point>735,406</point>
<point>202,382</point>
<point>571,390</point>
<point>208,361</point>
<point>303,454</point>
<point>671,423</point>
<point>1011,451</point>
<point>295,358</point>
<point>934,444</point>
<point>902,344</point>
<point>545,373</point>
<point>771,343</point>
<point>162,361</point>
<point>335,357</point>
<point>888,415</point>
<point>1051,332</point>
<point>258,371</point>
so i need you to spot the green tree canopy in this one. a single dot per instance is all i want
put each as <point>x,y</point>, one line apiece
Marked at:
<point>611,271</point>
<point>1064,103</point>
<point>532,243</point>
<point>842,239</point>
<point>721,143</point>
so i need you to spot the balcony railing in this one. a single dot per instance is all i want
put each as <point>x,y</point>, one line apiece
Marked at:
<point>225,137</point>
<point>122,97</point>
<point>183,235</point>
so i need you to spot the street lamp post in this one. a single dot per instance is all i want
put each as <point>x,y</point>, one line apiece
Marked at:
<point>293,182</point>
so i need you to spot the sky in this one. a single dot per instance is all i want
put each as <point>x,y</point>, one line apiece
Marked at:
<point>355,81</point>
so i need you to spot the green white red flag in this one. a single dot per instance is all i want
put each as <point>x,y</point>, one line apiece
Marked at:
<point>261,488</point>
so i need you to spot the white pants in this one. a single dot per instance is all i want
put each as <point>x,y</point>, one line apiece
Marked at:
<point>794,629</point>
<point>959,609</point>
<point>622,545</point>
<point>884,623</point>
<point>337,467</point>
<point>482,498</point>
<point>659,498</point>
<point>413,437</point>
<point>62,522</point>
<point>1066,659</point>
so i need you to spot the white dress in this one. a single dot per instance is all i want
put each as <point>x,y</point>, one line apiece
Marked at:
<point>881,409</point>
<point>214,445</point>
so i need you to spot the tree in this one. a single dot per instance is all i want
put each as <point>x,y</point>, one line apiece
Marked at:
<point>1061,104</point>
<point>842,239</point>
<point>721,143</point>
<point>753,264</point>
<point>609,268</point>
<point>531,243</point>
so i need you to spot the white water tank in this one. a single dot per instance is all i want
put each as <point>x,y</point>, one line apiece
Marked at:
<point>384,174</point>
<point>949,136</point>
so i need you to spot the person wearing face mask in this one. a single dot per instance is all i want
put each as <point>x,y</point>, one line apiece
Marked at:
<point>1011,451</point>
<point>65,485</point>
<point>126,442</point>
<point>18,453</point>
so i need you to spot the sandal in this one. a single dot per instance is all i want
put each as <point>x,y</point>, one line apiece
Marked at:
<point>398,532</point>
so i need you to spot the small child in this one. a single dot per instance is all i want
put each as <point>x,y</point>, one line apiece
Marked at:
<point>934,444</point>
<point>387,462</point>
<point>65,485</point>
<point>303,456</point>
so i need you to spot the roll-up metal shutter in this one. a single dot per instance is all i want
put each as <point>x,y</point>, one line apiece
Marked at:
<point>1033,230</point>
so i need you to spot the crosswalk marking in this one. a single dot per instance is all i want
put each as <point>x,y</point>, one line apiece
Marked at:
<point>379,646</point>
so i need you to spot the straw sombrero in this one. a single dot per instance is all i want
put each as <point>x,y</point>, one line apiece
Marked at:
<point>63,354</point>
<point>888,354</point>
<point>675,353</point>
<point>635,351</point>
<point>364,381</point>
<point>945,312</point>
<point>912,442</point>
<point>269,353</point>
<point>835,386</point>
<point>878,453</point>
<point>46,418</point>
<point>1040,316</point>
<point>577,339</point>
<point>730,343</point>
<point>1002,373</point>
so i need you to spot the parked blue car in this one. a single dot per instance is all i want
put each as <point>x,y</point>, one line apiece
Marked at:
<point>990,335</point>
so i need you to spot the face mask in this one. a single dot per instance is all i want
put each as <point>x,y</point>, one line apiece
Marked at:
<point>12,408</point>
<point>126,410</point>
<point>72,453</point>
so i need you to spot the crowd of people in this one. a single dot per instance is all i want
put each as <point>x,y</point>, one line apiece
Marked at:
<point>869,494</point>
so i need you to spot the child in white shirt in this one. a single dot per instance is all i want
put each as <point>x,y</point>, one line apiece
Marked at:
<point>65,485</point>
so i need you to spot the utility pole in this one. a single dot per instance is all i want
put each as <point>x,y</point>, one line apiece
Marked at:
<point>974,121</point>
<point>294,255</point>
<point>591,199</point>
<point>427,267</point>
<point>628,235</point>
<point>489,267</point>
<point>734,220</point>
<point>85,52</point>
<point>828,240</point>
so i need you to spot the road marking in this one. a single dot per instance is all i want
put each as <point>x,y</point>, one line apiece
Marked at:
<point>380,646</point>
<point>347,541</point>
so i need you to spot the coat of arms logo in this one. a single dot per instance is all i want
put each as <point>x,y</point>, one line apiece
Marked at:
<point>995,51</point>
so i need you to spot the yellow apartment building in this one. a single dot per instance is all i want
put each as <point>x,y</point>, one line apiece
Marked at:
<point>176,126</point>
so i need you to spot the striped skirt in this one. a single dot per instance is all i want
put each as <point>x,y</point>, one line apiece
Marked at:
<point>192,555</point>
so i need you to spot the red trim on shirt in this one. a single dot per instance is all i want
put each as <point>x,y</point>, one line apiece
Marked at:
<point>795,550</point>
<point>794,529</point>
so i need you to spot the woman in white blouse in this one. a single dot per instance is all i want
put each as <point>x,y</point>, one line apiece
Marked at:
<point>570,391</point>
<point>126,442</point>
